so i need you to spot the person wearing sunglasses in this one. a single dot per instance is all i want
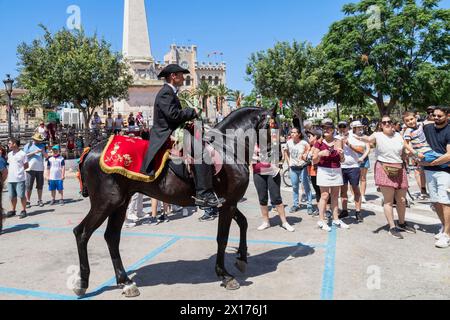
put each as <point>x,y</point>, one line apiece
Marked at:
<point>438,177</point>
<point>390,174</point>
<point>430,116</point>
<point>328,155</point>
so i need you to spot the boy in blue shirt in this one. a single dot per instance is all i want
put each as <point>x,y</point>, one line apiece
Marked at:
<point>56,172</point>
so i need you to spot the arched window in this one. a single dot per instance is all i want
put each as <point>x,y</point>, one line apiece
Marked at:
<point>203,79</point>
<point>188,81</point>
<point>216,81</point>
<point>210,79</point>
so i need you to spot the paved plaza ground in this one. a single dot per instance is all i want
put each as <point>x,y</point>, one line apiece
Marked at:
<point>175,260</point>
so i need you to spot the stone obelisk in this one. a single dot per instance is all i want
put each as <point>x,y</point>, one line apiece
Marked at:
<point>138,54</point>
<point>136,41</point>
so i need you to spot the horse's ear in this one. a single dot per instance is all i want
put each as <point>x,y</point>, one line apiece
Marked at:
<point>274,111</point>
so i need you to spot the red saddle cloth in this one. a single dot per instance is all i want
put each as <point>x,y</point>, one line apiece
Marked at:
<point>125,155</point>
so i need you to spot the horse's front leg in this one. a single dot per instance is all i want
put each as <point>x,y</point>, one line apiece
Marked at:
<point>225,218</point>
<point>83,233</point>
<point>241,261</point>
<point>112,237</point>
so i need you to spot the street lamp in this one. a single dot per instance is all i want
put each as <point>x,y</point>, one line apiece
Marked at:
<point>9,89</point>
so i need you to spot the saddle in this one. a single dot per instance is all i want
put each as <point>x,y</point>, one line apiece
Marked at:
<point>125,155</point>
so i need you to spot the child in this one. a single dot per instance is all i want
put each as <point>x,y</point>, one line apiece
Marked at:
<point>416,141</point>
<point>56,172</point>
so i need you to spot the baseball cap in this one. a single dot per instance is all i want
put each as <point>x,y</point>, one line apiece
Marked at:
<point>327,123</point>
<point>356,124</point>
<point>56,148</point>
<point>343,124</point>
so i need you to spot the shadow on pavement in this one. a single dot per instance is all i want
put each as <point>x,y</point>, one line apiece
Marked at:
<point>202,271</point>
<point>20,227</point>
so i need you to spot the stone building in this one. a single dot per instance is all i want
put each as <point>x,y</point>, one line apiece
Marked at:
<point>144,68</point>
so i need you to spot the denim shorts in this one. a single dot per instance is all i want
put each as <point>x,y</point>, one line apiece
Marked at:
<point>352,176</point>
<point>365,164</point>
<point>16,190</point>
<point>438,182</point>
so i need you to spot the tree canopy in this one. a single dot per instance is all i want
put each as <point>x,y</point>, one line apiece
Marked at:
<point>393,51</point>
<point>70,67</point>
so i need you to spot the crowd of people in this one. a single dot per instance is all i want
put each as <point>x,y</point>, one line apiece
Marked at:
<point>323,161</point>
<point>329,158</point>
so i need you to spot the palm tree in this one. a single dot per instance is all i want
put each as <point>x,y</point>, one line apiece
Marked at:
<point>238,97</point>
<point>204,91</point>
<point>221,93</point>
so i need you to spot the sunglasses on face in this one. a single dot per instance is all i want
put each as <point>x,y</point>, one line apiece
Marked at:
<point>387,122</point>
<point>342,127</point>
<point>437,116</point>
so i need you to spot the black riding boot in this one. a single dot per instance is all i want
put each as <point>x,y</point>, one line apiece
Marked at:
<point>205,196</point>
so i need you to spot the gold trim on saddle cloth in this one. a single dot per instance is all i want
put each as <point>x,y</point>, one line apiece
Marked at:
<point>130,174</point>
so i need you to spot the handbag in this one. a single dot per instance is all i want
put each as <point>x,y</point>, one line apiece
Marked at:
<point>392,170</point>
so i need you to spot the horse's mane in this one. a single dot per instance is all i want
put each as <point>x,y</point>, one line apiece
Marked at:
<point>240,118</point>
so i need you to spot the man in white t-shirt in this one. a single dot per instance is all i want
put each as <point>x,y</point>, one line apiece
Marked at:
<point>109,124</point>
<point>351,171</point>
<point>18,163</point>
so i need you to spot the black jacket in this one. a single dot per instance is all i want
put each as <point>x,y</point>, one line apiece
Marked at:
<point>167,117</point>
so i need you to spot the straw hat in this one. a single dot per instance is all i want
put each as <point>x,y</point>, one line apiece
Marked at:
<point>38,137</point>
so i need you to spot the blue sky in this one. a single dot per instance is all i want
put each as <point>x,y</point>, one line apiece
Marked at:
<point>235,27</point>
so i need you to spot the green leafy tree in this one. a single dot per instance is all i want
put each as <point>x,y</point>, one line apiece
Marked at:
<point>291,73</point>
<point>392,51</point>
<point>70,67</point>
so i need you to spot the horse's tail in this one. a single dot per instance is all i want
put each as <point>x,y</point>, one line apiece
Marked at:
<point>80,175</point>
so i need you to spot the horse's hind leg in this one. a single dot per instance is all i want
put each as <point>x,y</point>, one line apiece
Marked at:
<point>112,237</point>
<point>225,217</point>
<point>241,261</point>
<point>83,233</point>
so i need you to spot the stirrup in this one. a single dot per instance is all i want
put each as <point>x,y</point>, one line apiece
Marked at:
<point>203,205</point>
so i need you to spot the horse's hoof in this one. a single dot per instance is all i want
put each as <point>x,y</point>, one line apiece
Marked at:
<point>231,285</point>
<point>80,292</point>
<point>131,291</point>
<point>241,265</point>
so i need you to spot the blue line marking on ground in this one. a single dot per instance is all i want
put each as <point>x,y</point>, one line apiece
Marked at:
<point>205,238</point>
<point>329,271</point>
<point>102,288</point>
<point>36,294</point>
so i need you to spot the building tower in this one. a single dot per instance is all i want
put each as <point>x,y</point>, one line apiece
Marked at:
<point>138,54</point>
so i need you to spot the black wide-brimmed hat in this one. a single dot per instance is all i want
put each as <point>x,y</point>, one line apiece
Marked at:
<point>172,68</point>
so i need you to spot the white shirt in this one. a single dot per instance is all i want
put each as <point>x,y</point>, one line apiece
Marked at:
<point>118,123</point>
<point>175,90</point>
<point>55,166</point>
<point>389,149</point>
<point>296,151</point>
<point>351,156</point>
<point>16,170</point>
<point>109,122</point>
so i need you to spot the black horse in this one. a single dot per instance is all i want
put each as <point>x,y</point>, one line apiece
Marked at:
<point>110,195</point>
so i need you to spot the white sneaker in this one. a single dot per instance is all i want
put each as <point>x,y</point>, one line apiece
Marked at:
<point>264,226</point>
<point>133,217</point>
<point>351,199</point>
<point>443,242</point>
<point>440,234</point>
<point>340,224</point>
<point>324,226</point>
<point>130,224</point>
<point>363,199</point>
<point>288,227</point>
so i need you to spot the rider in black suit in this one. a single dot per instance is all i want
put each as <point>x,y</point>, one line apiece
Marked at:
<point>168,116</point>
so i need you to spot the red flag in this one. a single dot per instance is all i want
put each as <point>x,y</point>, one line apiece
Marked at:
<point>281,104</point>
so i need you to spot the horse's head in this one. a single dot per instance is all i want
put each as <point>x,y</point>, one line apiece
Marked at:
<point>251,125</point>
<point>269,135</point>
